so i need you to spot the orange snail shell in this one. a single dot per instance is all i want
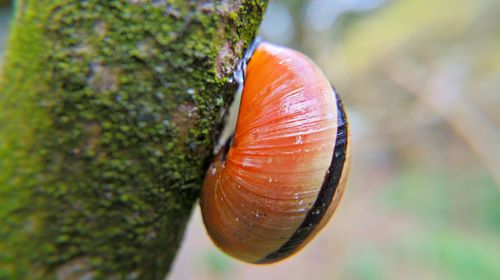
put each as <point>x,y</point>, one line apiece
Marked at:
<point>269,192</point>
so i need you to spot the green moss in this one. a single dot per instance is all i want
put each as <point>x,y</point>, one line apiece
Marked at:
<point>109,112</point>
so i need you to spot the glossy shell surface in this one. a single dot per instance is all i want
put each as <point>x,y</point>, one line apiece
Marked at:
<point>279,180</point>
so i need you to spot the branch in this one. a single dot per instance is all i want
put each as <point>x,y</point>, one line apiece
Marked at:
<point>108,114</point>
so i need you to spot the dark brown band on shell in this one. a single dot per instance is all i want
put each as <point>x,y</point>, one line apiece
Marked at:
<point>325,195</point>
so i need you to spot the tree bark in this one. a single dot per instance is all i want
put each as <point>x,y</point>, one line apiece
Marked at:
<point>109,111</point>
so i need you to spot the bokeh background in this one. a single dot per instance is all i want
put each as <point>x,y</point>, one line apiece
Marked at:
<point>421,83</point>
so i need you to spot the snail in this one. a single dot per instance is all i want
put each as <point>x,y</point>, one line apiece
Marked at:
<point>277,181</point>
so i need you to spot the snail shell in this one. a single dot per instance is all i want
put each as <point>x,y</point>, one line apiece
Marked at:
<point>277,182</point>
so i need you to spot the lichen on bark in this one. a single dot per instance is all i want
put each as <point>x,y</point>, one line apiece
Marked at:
<point>109,111</point>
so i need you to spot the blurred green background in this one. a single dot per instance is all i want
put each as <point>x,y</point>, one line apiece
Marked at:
<point>421,81</point>
<point>5,14</point>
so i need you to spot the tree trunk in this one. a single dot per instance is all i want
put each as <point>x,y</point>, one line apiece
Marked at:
<point>109,111</point>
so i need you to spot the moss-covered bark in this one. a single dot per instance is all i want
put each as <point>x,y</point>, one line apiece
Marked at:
<point>108,114</point>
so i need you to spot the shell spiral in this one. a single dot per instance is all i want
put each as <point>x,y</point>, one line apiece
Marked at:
<point>279,180</point>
